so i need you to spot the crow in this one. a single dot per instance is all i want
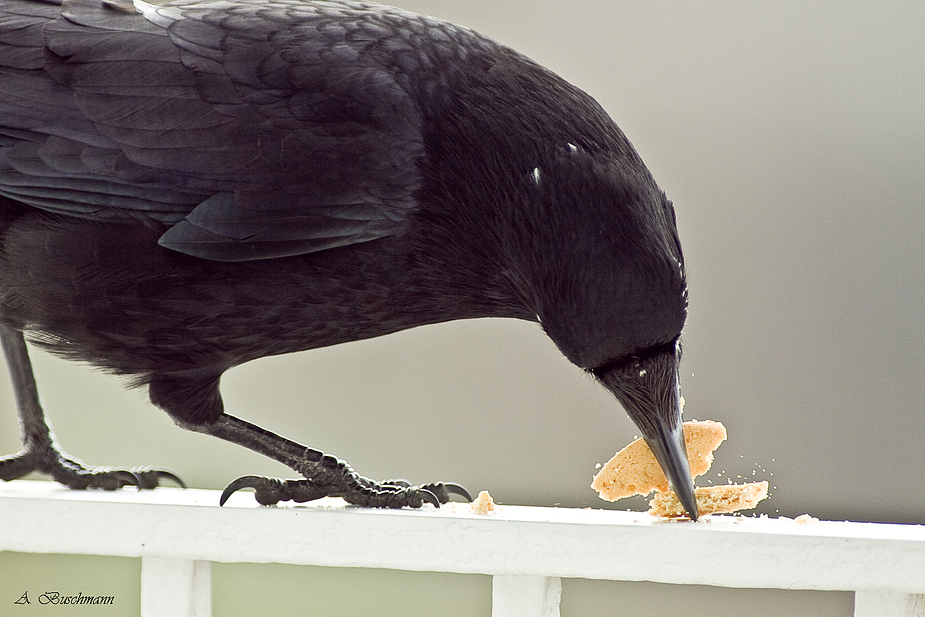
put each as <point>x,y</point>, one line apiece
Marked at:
<point>189,185</point>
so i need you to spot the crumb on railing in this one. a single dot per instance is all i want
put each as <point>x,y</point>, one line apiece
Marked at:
<point>483,504</point>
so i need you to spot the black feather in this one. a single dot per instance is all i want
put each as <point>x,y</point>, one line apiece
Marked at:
<point>190,185</point>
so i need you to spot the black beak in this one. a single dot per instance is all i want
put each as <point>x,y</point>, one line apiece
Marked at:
<point>667,444</point>
<point>647,386</point>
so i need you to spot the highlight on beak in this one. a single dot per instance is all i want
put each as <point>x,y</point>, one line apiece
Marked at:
<point>647,386</point>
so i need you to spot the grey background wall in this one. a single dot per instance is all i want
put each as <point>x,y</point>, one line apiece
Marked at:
<point>791,138</point>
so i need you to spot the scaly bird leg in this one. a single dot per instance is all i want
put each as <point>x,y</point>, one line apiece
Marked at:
<point>40,453</point>
<point>325,476</point>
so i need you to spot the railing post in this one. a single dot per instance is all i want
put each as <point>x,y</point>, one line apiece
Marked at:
<point>175,587</point>
<point>884,604</point>
<point>525,596</point>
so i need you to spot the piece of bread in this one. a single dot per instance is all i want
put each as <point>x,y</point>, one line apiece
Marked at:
<point>483,504</point>
<point>711,500</point>
<point>634,470</point>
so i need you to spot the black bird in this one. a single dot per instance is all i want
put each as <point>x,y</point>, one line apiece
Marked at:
<point>189,185</point>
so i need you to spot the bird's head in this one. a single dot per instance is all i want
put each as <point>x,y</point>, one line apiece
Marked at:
<point>603,265</point>
<point>555,198</point>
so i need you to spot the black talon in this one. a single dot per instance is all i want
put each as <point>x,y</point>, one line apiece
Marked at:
<point>399,482</point>
<point>429,497</point>
<point>254,482</point>
<point>444,489</point>
<point>169,475</point>
<point>143,478</point>
<point>127,477</point>
<point>149,478</point>
<point>457,489</point>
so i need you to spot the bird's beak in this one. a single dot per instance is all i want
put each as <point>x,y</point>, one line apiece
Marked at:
<point>648,388</point>
<point>667,444</point>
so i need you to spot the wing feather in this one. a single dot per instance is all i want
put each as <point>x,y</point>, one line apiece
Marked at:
<point>269,128</point>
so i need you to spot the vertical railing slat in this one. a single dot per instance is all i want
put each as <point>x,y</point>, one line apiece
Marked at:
<point>175,587</point>
<point>525,596</point>
<point>884,604</point>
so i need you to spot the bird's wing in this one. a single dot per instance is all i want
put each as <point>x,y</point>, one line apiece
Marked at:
<point>257,130</point>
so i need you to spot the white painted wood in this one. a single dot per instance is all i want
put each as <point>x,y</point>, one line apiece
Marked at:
<point>525,596</point>
<point>885,604</point>
<point>40,517</point>
<point>175,587</point>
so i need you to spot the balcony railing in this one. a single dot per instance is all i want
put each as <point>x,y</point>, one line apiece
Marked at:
<point>527,550</point>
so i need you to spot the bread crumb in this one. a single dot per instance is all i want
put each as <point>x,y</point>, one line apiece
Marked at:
<point>711,500</point>
<point>634,470</point>
<point>805,519</point>
<point>483,504</point>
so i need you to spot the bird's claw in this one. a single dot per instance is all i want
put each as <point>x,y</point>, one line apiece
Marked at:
<point>429,497</point>
<point>142,478</point>
<point>356,490</point>
<point>73,474</point>
<point>150,477</point>
<point>445,489</point>
<point>259,483</point>
<point>437,493</point>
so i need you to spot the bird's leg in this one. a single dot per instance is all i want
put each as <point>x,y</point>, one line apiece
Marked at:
<point>40,453</point>
<point>324,475</point>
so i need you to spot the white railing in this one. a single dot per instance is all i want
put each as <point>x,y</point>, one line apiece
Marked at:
<point>178,533</point>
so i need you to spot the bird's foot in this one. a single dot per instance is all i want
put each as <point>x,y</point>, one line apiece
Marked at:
<point>355,489</point>
<point>73,474</point>
<point>323,475</point>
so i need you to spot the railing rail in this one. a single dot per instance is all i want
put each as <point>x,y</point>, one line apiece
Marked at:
<point>179,533</point>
